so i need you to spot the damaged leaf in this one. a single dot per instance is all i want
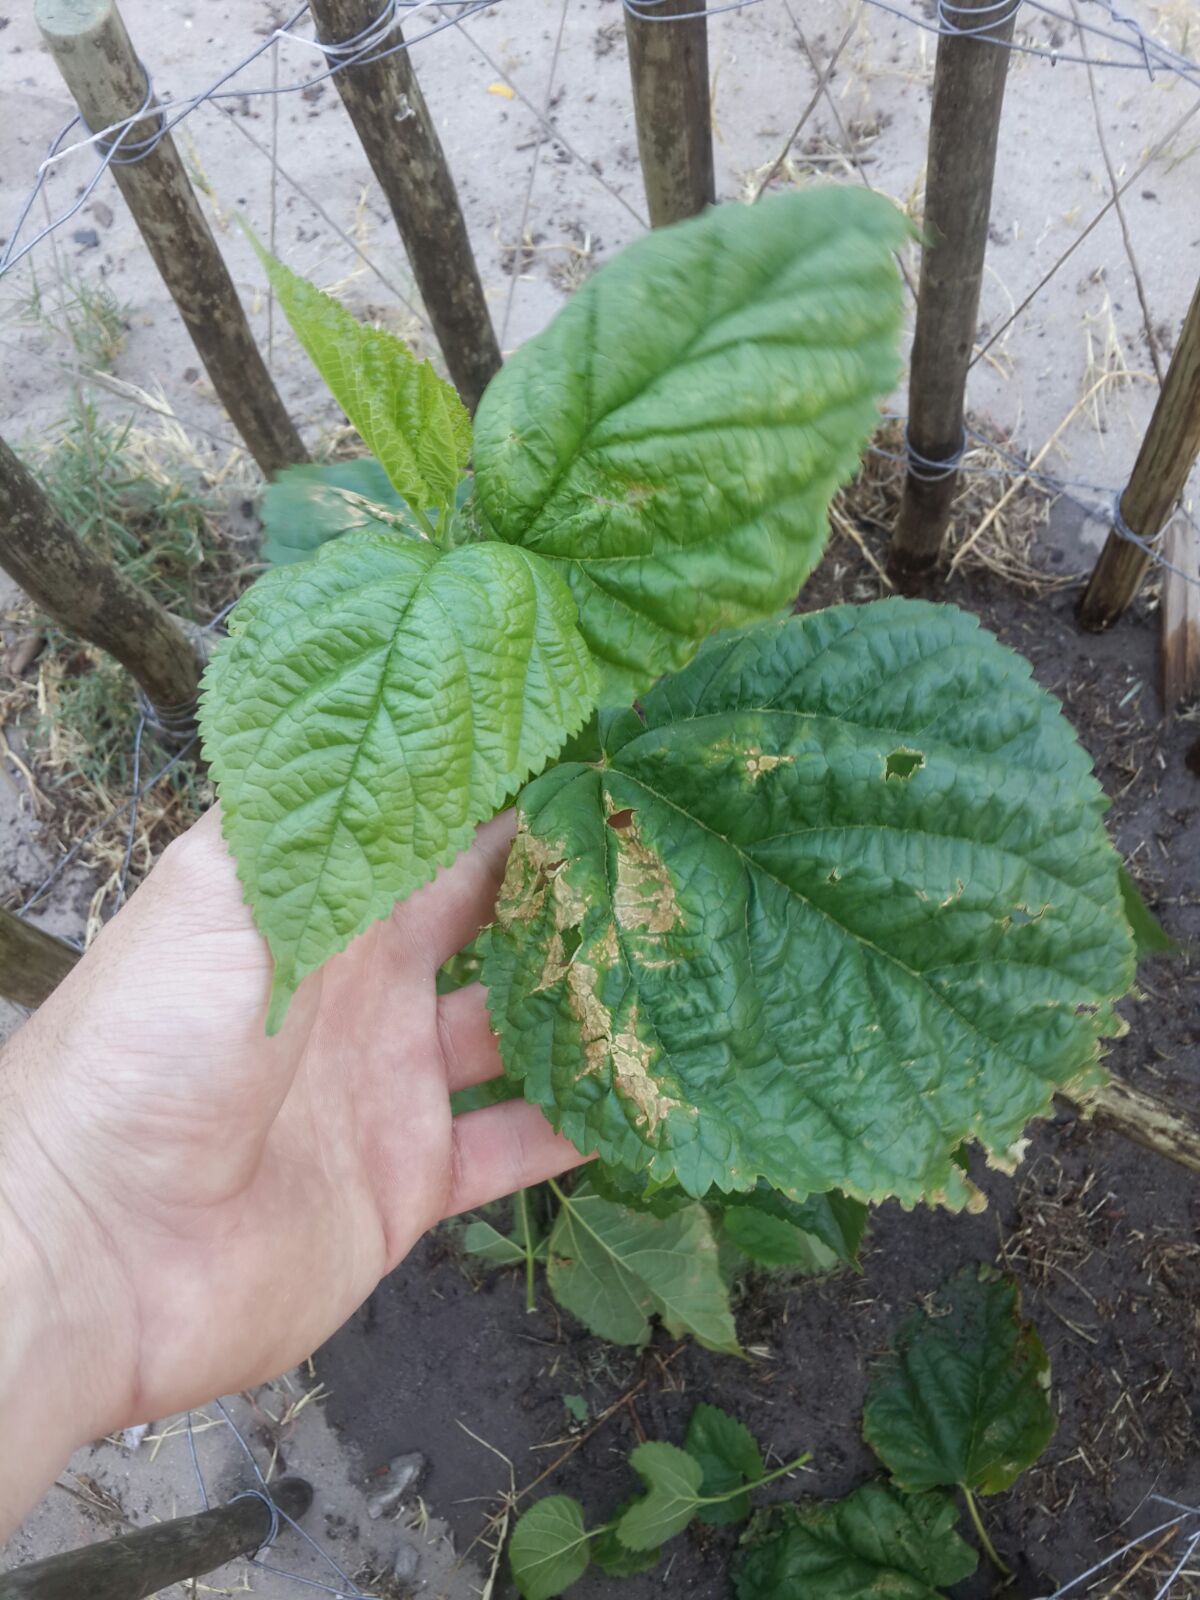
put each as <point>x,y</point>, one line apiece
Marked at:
<point>829,970</point>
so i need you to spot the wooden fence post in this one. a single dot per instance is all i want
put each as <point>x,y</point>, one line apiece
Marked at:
<point>32,963</point>
<point>397,132</point>
<point>964,126</point>
<point>88,41</point>
<point>668,63</point>
<point>141,1563</point>
<point>1159,474</point>
<point>91,597</point>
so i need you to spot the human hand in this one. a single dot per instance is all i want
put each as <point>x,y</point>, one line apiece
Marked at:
<point>187,1207</point>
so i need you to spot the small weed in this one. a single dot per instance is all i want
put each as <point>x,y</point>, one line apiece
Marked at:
<point>89,314</point>
<point>146,502</point>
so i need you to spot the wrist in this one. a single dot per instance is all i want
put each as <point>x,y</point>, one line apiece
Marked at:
<point>62,1316</point>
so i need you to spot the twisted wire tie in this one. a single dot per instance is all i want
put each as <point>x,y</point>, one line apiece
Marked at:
<point>925,470</point>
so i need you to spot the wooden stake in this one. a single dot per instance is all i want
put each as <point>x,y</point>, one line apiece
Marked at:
<point>32,963</point>
<point>141,1563</point>
<point>397,132</point>
<point>88,41</point>
<point>1154,1124</point>
<point>1180,649</point>
<point>1159,474</point>
<point>964,126</point>
<point>91,597</point>
<point>668,63</point>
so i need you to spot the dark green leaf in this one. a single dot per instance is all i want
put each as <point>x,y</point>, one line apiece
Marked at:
<point>833,1220</point>
<point>964,1395</point>
<point>877,1544</point>
<point>771,1242</point>
<point>674,437</point>
<point>673,1482</point>
<point>480,1095</point>
<point>637,1190</point>
<point>728,1455</point>
<point>548,1551</point>
<point>738,949</point>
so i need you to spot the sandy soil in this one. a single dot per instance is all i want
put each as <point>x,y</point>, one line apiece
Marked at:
<point>1094,1230</point>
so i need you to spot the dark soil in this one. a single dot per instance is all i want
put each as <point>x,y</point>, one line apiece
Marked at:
<point>1102,1236</point>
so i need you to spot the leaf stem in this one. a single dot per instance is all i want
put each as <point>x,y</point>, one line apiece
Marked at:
<point>745,1488</point>
<point>989,1548</point>
<point>424,524</point>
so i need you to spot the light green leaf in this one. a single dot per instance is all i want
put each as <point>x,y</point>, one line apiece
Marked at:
<point>481,1239</point>
<point>963,1397</point>
<point>673,1482</point>
<point>548,1551</point>
<point>744,946</point>
<point>877,1544</point>
<point>614,1269</point>
<point>407,416</point>
<point>728,1455</point>
<point>370,707</point>
<point>672,440</point>
<point>305,506</point>
<point>1149,936</point>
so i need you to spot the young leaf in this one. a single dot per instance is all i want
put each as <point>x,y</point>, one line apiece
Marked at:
<point>481,1239</point>
<point>963,1396</point>
<point>304,507</point>
<point>775,1231</point>
<point>672,440</point>
<point>673,1482</point>
<point>773,1242</point>
<point>614,1269</point>
<point>614,1560</point>
<point>877,1544</point>
<point>1149,936</point>
<point>746,945</point>
<point>548,1551</point>
<point>728,1455</point>
<point>370,707</point>
<point>637,1190</point>
<point>406,415</point>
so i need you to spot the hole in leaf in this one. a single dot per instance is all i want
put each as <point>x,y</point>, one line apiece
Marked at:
<point>572,938</point>
<point>621,819</point>
<point>903,763</point>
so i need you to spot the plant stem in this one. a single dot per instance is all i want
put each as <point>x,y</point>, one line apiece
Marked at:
<point>522,1202</point>
<point>988,1547</point>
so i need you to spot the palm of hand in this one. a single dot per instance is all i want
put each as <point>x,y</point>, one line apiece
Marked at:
<point>248,1193</point>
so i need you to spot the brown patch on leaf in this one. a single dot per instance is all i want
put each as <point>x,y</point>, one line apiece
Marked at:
<point>757,763</point>
<point>644,897</point>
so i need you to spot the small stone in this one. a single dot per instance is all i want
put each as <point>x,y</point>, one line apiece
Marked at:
<point>87,237</point>
<point>403,1475</point>
<point>406,1562</point>
<point>102,213</point>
